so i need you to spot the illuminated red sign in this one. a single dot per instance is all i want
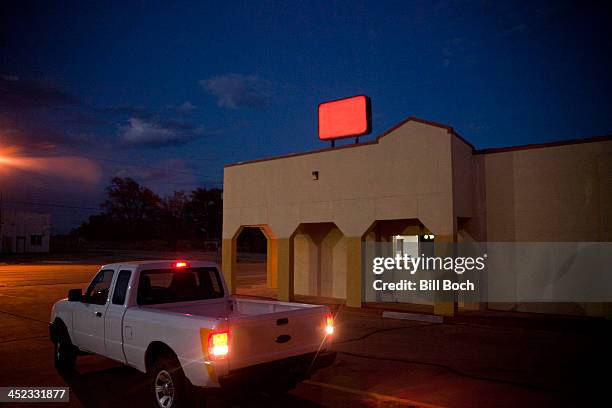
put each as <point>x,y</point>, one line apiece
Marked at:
<point>345,118</point>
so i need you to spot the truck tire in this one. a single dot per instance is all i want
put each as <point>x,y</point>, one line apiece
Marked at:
<point>168,385</point>
<point>64,352</point>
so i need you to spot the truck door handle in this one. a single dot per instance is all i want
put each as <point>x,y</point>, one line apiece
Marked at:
<point>98,314</point>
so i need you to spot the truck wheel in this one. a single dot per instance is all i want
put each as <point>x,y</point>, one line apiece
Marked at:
<point>64,352</point>
<point>168,383</point>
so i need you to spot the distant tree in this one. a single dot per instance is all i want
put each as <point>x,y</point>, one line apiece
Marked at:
<point>205,211</point>
<point>132,211</point>
<point>97,227</point>
<point>133,207</point>
<point>174,222</point>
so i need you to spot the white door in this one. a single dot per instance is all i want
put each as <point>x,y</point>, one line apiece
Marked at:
<point>408,245</point>
<point>88,319</point>
<point>113,322</point>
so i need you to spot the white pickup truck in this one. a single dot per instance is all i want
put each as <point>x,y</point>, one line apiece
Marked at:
<point>175,321</point>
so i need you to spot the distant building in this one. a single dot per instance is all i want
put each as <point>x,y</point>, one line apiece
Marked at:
<point>24,232</point>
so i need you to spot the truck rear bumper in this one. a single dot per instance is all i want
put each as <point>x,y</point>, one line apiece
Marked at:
<point>294,369</point>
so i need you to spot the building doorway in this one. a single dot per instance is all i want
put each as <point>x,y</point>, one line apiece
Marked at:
<point>391,238</point>
<point>20,245</point>
<point>7,245</point>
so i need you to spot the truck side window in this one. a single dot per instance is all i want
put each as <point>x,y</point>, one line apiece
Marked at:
<point>97,292</point>
<point>121,287</point>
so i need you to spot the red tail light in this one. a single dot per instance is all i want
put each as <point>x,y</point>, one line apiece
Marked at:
<point>218,345</point>
<point>181,264</point>
<point>329,324</point>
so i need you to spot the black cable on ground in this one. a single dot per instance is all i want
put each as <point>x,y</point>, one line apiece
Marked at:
<point>24,317</point>
<point>24,338</point>
<point>384,330</point>
<point>443,366</point>
<point>453,371</point>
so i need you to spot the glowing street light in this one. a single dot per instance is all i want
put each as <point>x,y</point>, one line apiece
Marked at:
<point>67,167</point>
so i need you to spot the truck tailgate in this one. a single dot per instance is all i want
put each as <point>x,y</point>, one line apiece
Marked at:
<point>260,338</point>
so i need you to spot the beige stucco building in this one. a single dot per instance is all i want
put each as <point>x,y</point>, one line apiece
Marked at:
<point>316,208</point>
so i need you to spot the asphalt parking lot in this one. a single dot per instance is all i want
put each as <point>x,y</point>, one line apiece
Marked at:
<point>381,362</point>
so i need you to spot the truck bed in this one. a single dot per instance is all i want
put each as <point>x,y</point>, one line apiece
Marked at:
<point>261,330</point>
<point>236,307</point>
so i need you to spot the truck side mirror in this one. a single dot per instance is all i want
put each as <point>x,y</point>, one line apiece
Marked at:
<point>75,295</point>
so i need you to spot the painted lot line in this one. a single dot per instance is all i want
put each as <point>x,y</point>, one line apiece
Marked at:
<point>373,395</point>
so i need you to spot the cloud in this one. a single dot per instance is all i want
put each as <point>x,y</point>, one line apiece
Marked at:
<point>139,132</point>
<point>163,176</point>
<point>145,112</point>
<point>41,116</point>
<point>457,51</point>
<point>87,120</point>
<point>186,107</point>
<point>514,30</point>
<point>22,94</point>
<point>35,134</point>
<point>141,112</point>
<point>237,90</point>
<point>169,169</point>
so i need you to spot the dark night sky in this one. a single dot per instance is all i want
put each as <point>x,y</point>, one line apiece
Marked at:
<point>169,94</point>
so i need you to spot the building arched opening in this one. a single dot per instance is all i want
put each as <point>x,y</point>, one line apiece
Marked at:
<point>320,265</point>
<point>252,270</point>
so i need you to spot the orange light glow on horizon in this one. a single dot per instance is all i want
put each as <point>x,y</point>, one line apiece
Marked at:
<point>67,167</point>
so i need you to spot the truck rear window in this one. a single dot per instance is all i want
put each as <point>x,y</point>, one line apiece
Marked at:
<point>178,285</point>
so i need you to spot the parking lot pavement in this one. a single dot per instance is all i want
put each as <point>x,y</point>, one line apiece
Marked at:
<point>381,362</point>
